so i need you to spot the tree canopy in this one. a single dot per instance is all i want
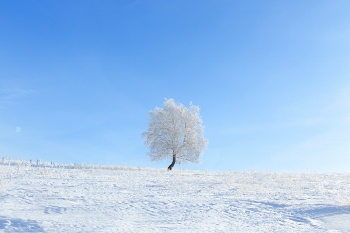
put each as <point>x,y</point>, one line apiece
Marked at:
<point>175,132</point>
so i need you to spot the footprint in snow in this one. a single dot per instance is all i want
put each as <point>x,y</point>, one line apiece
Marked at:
<point>55,210</point>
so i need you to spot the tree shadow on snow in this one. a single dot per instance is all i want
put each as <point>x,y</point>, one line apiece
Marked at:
<point>305,215</point>
<point>320,211</point>
<point>19,225</point>
<point>312,211</point>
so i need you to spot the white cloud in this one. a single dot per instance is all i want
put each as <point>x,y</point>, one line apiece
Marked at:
<point>326,151</point>
<point>11,96</point>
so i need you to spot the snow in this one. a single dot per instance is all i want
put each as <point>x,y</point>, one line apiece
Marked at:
<point>77,198</point>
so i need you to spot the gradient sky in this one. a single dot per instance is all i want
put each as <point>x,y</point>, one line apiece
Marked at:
<point>272,79</point>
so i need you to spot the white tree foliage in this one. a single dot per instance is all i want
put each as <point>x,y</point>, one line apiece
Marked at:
<point>175,131</point>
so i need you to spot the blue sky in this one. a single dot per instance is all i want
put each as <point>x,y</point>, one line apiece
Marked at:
<point>272,79</point>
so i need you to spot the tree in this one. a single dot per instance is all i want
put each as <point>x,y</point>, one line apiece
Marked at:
<point>175,132</point>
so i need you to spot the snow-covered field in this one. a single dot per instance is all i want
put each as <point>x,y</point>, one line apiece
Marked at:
<point>68,198</point>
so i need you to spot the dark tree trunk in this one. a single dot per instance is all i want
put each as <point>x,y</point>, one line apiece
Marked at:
<point>173,163</point>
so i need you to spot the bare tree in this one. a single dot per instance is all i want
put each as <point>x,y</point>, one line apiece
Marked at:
<point>175,132</point>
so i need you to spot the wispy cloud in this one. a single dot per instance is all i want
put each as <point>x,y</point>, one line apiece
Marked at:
<point>327,151</point>
<point>12,96</point>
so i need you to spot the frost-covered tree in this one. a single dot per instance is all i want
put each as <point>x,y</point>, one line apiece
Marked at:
<point>175,132</point>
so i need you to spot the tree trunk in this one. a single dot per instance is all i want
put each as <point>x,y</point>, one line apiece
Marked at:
<point>173,163</point>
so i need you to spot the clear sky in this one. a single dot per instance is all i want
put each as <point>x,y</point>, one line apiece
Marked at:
<point>272,79</point>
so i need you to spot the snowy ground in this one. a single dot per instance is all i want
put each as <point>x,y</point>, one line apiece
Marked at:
<point>49,198</point>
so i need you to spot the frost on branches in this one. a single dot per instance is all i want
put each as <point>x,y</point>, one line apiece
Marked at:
<point>175,132</point>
